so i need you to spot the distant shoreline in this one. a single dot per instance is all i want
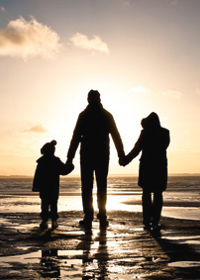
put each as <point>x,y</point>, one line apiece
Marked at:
<point>30,193</point>
<point>110,175</point>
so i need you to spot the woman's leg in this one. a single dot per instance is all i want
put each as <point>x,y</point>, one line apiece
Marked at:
<point>147,207</point>
<point>157,207</point>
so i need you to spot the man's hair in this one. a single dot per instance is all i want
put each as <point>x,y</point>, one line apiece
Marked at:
<point>94,96</point>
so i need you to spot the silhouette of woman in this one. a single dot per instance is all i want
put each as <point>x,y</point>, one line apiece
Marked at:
<point>153,142</point>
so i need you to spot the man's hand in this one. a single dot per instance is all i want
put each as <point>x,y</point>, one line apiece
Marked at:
<point>69,161</point>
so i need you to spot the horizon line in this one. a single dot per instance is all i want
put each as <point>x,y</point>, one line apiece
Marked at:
<point>113,174</point>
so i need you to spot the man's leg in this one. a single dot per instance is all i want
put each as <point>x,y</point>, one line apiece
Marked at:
<point>101,173</point>
<point>87,178</point>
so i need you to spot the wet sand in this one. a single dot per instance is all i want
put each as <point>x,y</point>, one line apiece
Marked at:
<point>123,251</point>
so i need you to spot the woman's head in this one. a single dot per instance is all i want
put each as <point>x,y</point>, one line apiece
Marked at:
<point>151,122</point>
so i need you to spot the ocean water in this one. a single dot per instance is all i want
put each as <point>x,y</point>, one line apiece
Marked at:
<point>117,184</point>
<point>181,199</point>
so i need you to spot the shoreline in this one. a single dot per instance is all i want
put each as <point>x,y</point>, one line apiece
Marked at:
<point>109,175</point>
<point>25,193</point>
<point>20,202</point>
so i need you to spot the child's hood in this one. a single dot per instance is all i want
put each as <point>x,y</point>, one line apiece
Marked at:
<point>46,159</point>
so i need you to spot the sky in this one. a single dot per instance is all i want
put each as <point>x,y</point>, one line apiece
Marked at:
<point>142,56</point>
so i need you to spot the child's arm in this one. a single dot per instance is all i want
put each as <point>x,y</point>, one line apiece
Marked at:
<point>65,169</point>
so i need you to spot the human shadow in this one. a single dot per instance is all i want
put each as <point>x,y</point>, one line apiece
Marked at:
<point>94,263</point>
<point>179,240</point>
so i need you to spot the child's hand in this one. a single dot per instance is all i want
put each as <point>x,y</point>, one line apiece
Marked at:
<point>69,167</point>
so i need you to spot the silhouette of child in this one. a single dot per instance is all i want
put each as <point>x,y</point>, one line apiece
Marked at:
<point>46,181</point>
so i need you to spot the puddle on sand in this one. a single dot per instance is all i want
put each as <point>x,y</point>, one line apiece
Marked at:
<point>186,237</point>
<point>192,240</point>
<point>52,262</point>
<point>74,264</point>
<point>35,257</point>
<point>185,264</point>
<point>24,258</point>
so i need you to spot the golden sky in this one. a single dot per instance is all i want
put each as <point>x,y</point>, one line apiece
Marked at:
<point>141,55</point>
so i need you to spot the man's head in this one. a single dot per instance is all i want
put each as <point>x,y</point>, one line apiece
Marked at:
<point>93,97</point>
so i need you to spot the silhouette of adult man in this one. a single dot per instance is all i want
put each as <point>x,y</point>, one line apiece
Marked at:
<point>92,130</point>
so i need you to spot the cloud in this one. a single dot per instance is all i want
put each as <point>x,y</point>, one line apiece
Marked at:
<point>173,93</point>
<point>94,44</point>
<point>28,39</point>
<point>2,9</point>
<point>36,128</point>
<point>140,90</point>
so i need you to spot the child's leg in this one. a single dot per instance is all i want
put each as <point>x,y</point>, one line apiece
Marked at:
<point>44,213</point>
<point>54,213</point>
<point>45,210</point>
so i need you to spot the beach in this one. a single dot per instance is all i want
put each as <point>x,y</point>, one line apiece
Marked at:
<point>122,251</point>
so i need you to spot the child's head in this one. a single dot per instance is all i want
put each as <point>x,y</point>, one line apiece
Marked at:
<point>48,148</point>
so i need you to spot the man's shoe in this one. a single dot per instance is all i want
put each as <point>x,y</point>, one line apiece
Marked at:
<point>85,223</point>
<point>44,225</point>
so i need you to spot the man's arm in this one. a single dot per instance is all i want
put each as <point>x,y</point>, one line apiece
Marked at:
<point>76,137</point>
<point>136,149</point>
<point>116,138</point>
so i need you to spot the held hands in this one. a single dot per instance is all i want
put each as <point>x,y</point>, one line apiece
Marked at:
<point>69,166</point>
<point>123,161</point>
<point>69,161</point>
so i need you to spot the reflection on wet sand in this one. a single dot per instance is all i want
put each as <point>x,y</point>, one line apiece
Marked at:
<point>95,253</point>
<point>49,264</point>
<point>123,251</point>
<point>89,258</point>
